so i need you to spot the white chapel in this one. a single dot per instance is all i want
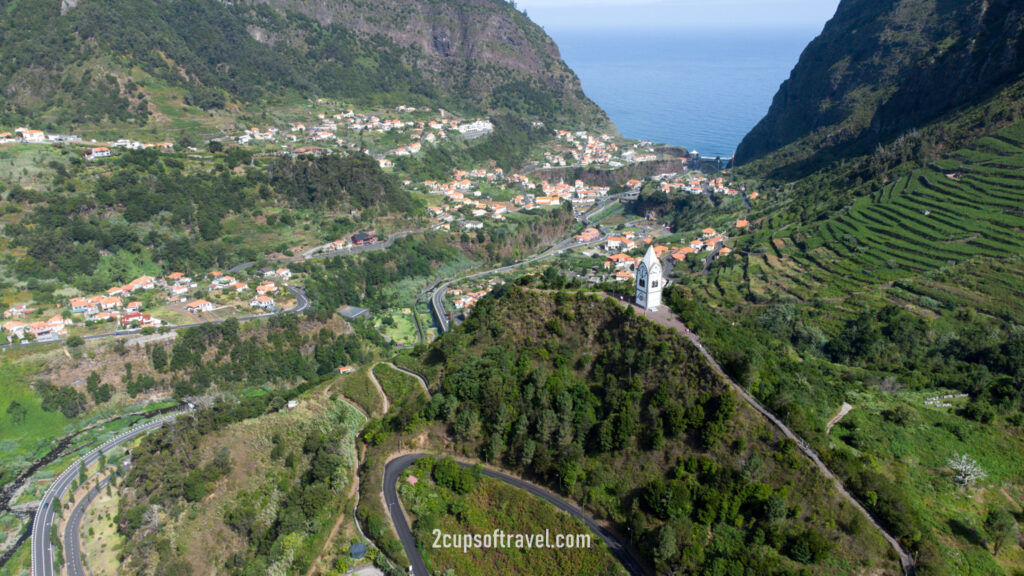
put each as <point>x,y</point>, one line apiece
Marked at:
<point>649,281</point>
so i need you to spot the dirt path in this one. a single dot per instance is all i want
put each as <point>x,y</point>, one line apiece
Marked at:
<point>380,390</point>
<point>843,411</point>
<point>353,490</point>
<point>334,530</point>
<point>666,318</point>
<point>418,377</point>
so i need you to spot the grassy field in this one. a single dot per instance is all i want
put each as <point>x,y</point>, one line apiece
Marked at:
<point>27,165</point>
<point>399,387</point>
<point>917,453</point>
<point>491,506</point>
<point>22,441</point>
<point>403,329</point>
<point>615,209</point>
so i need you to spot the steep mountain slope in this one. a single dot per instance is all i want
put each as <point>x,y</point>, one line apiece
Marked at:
<point>80,61</point>
<point>881,68</point>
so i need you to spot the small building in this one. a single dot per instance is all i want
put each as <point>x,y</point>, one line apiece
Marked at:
<point>143,320</point>
<point>18,311</point>
<point>94,153</point>
<point>588,235</point>
<point>261,301</point>
<point>346,369</point>
<point>363,238</point>
<point>198,306</point>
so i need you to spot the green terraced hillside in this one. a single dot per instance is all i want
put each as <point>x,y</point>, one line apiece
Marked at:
<point>965,212</point>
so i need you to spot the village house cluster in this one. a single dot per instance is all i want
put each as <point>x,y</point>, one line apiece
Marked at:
<point>582,148</point>
<point>119,303</point>
<point>50,329</point>
<point>466,297</point>
<point>579,194</point>
<point>695,183</point>
<point>621,266</point>
<point>360,239</point>
<point>462,194</point>
<point>406,124</point>
<point>112,306</point>
<point>31,136</point>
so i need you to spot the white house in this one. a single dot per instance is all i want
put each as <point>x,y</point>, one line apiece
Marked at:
<point>261,301</point>
<point>199,306</point>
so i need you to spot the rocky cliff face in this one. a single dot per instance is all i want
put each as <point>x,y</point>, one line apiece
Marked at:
<point>472,47</point>
<point>883,67</point>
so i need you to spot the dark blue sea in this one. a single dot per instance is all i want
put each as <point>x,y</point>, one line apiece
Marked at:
<point>701,90</point>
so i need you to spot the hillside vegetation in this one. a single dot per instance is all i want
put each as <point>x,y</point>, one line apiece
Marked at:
<point>881,68</point>
<point>482,505</point>
<point>882,269</point>
<point>246,490</point>
<point>74,64</point>
<point>570,390</point>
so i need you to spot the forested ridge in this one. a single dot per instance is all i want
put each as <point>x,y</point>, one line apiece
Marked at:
<point>571,389</point>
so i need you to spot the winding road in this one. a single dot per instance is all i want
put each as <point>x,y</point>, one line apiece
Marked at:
<point>437,298</point>
<point>393,471</point>
<point>42,548</point>
<point>72,531</point>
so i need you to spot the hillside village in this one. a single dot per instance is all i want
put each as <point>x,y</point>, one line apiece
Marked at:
<point>139,303</point>
<point>475,197</point>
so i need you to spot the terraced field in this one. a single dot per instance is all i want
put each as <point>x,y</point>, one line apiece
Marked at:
<point>932,225</point>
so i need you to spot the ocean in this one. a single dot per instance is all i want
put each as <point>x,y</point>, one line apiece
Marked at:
<point>701,90</point>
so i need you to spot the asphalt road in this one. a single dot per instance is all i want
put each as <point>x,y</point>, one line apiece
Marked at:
<point>42,549</point>
<point>72,532</point>
<point>437,298</point>
<point>301,304</point>
<point>393,471</point>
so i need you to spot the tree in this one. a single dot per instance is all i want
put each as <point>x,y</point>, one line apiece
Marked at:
<point>1000,527</point>
<point>17,412</point>
<point>159,357</point>
<point>100,392</point>
<point>666,547</point>
<point>967,471</point>
<point>75,341</point>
